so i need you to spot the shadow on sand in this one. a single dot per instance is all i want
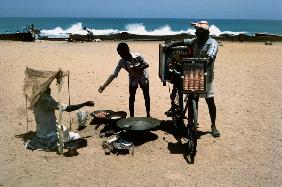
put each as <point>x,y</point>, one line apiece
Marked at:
<point>137,137</point>
<point>26,136</point>
<point>180,147</point>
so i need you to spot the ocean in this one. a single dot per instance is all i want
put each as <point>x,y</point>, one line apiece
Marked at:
<point>62,27</point>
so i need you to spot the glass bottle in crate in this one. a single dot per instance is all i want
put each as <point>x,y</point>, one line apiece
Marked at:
<point>201,79</point>
<point>191,79</point>
<point>186,79</point>
<point>196,80</point>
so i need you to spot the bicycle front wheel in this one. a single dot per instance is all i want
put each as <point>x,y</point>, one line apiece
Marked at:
<point>192,133</point>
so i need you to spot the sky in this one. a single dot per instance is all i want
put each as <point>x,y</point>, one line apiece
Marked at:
<point>208,9</point>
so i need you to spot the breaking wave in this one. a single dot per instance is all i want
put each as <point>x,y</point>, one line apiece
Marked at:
<point>137,28</point>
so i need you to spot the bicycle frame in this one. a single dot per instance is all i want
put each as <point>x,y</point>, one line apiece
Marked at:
<point>192,83</point>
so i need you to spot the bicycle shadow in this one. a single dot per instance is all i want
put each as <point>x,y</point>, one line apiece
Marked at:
<point>178,147</point>
<point>168,127</point>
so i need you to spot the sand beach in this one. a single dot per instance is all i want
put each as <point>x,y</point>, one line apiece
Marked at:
<point>248,79</point>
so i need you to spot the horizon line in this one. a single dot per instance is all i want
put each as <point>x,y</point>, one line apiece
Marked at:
<point>142,18</point>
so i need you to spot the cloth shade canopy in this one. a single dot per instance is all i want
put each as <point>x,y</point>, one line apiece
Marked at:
<point>36,83</point>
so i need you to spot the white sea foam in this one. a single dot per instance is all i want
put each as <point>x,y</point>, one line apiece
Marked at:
<point>165,30</point>
<point>59,32</point>
<point>104,32</point>
<point>75,29</point>
<point>216,31</point>
<point>137,28</point>
<point>140,29</point>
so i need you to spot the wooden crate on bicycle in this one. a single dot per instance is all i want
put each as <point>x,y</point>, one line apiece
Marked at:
<point>194,75</point>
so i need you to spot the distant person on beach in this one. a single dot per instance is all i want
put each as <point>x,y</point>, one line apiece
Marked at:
<point>90,35</point>
<point>203,47</point>
<point>136,67</point>
<point>46,123</point>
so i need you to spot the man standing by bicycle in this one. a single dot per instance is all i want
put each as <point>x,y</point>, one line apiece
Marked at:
<point>203,47</point>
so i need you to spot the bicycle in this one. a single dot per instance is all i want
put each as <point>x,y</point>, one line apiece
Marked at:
<point>189,77</point>
<point>191,74</point>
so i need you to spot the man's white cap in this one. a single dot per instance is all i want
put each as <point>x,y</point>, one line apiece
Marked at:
<point>201,25</point>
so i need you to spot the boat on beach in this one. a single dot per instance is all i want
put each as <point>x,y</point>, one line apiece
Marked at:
<point>27,35</point>
<point>21,36</point>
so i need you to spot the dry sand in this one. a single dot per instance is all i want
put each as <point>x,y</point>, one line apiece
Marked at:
<point>248,97</point>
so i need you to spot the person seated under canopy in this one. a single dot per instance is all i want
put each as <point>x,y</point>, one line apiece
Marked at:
<point>46,122</point>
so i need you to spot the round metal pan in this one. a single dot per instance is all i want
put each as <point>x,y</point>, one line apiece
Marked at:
<point>94,114</point>
<point>117,115</point>
<point>138,123</point>
<point>111,117</point>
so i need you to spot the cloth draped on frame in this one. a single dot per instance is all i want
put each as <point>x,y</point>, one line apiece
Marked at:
<point>36,83</point>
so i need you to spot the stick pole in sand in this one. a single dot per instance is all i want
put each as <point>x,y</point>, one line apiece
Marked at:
<point>26,113</point>
<point>60,127</point>
<point>69,97</point>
